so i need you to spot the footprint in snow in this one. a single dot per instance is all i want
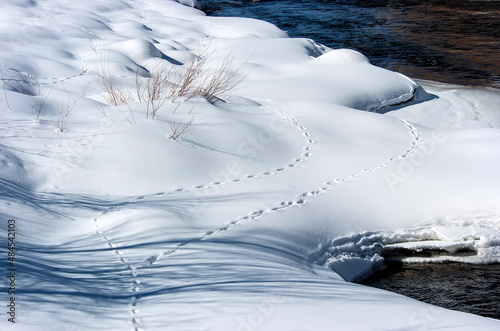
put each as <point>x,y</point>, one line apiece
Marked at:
<point>257,213</point>
<point>152,259</point>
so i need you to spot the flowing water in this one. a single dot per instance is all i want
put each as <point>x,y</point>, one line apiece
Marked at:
<point>469,288</point>
<point>452,41</point>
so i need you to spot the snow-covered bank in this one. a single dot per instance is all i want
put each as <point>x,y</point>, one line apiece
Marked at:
<point>227,226</point>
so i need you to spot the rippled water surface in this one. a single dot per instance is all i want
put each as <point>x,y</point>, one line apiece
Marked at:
<point>454,41</point>
<point>465,287</point>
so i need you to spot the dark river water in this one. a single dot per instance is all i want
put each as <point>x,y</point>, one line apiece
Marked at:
<point>453,41</point>
<point>465,287</point>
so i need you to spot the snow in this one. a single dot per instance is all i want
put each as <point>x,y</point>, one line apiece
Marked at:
<point>291,185</point>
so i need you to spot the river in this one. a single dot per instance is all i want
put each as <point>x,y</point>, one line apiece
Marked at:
<point>448,41</point>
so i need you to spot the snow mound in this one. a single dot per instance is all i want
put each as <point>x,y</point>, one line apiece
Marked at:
<point>341,57</point>
<point>190,3</point>
<point>139,50</point>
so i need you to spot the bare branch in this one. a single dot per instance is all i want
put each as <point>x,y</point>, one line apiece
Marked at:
<point>178,129</point>
<point>113,94</point>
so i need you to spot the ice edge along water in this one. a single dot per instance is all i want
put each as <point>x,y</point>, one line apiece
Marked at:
<point>120,229</point>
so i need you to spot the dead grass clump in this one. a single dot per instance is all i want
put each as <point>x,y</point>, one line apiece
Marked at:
<point>178,129</point>
<point>166,81</point>
<point>223,79</point>
<point>112,93</point>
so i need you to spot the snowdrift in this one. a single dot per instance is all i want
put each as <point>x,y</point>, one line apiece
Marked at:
<point>248,209</point>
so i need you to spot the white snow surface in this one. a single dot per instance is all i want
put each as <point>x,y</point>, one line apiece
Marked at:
<point>282,191</point>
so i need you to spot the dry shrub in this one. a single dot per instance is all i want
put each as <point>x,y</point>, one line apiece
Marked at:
<point>187,78</point>
<point>157,88</point>
<point>195,79</point>
<point>180,128</point>
<point>113,94</point>
<point>223,79</point>
<point>166,81</point>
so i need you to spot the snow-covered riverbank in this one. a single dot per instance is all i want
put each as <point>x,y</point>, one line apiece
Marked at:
<point>244,210</point>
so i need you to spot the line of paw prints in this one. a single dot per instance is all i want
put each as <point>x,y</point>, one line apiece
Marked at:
<point>300,200</point>
<point>131,269</point>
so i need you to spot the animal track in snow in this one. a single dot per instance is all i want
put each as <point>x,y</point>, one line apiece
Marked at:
<point>295,163</point>
<point>131,269</point>
<point>134,269</point>
<point>300,199</point>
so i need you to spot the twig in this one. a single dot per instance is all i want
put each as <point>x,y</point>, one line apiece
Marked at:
<point>112,93</point>
<point>179,129</point>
